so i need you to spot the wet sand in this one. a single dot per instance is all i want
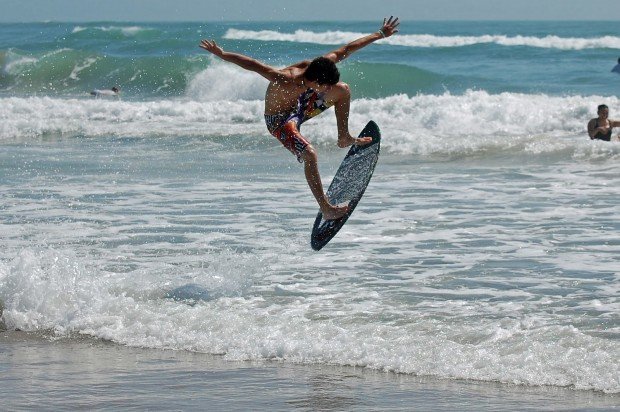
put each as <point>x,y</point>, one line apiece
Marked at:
<point>43,373</point>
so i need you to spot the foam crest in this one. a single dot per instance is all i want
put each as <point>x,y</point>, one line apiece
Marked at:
<point>475,122</point>
<point>547,42</point>
<point>35,117</point>
<point>302,36</point>
<point>214,84</point>
<point>478,122</point>
<point>429,40</point>
<point>125,30</point>
<point>47,289</point>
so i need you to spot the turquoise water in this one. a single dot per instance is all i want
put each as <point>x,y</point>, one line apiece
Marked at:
<point>160,60</point>
<point>485,248</point>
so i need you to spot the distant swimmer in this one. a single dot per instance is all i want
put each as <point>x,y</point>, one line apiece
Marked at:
<point>616,68</point>
<point>301,91</point>
<point>601,127</point>
<point>113,92</point>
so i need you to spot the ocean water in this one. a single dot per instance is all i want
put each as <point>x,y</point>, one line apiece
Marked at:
<point>486,247</point>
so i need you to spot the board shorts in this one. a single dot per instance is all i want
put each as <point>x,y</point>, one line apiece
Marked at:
<point>285,126</point>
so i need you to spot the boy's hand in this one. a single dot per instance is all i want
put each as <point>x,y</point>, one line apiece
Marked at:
<point>212,47</point>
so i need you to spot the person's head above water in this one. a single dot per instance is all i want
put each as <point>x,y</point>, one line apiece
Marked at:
<point>115,89</point>
<point>323,71</point>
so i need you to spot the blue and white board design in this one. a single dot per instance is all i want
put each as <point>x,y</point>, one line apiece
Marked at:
<point>348,185</point>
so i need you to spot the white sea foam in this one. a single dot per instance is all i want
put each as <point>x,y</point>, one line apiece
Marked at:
<point>425,124</point>
<point>214,84</point>
<point>53,290</point>
<point>125,30</point>
<point>429,40</point>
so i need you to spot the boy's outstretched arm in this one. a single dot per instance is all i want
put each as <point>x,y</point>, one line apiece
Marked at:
<point>389,28</point>
<point>245,62</point>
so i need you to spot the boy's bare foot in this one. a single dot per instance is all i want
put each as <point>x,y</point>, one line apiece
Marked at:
<point>335,212</point>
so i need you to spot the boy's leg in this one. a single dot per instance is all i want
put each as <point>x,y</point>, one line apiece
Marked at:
<point>292,139</point>
<point>311,169</point>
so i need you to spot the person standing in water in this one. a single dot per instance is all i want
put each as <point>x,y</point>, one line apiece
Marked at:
<point>301,91</point>
<point>616,68</point>
<point>600,128</point>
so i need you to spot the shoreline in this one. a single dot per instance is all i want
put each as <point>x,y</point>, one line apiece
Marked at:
<point>83,372</point>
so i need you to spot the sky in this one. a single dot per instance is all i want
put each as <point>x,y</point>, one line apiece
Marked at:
<point>309,10</point>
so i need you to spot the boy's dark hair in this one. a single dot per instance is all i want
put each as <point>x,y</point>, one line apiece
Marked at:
<point>323,71</point>
<point>601,107</point>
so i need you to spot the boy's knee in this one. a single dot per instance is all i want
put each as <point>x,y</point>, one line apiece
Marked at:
<point>309,154</point>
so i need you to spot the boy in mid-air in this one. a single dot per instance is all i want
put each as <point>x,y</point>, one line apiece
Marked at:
<point>299,92</point>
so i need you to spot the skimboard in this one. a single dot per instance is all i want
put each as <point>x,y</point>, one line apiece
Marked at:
<point>348,185</point>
